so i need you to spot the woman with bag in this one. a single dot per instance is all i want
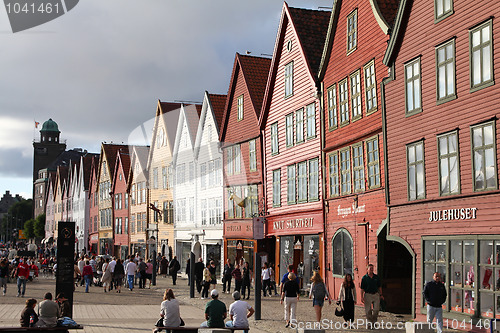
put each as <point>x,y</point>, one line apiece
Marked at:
<point>106,275</point>
<point>170,311</point>
<point>347,296</point>
<point>207,278</point>
<point>318,293</point>
<point>290,295</point>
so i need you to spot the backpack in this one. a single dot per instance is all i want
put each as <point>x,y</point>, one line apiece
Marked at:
<point>319,290</point>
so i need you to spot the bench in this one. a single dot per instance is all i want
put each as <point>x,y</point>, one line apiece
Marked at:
<point>57,329</point>
<point>186,329</point>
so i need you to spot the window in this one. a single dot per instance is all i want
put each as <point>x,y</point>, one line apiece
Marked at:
<point>155,178</point>
<point>211,174</point>
<point>240,107</point>
<point>416,176</point>
<point>203,211</point>
<point>252,154</point>
<point>358,168</point>
<point>164,177</point>
<point>484,160</point>
<point>449,179</point>
<point>252,202</point>
<point>132,223</point>
<point>238,212</point>
<point>229,160</point>
<point>342,253</point>
<point>218,173</point>
<point>356,95</point>
<point>218,211</point>
<point>370,87</point>
<point>332,107</point>
<point>311,121</point>
<point>156,216</point>
<point>203,175</point>
<point>302,182</point>
<point>181,174</point>
<point>373,163</point>
<point>133,195</point>
<point>299,132</point>
<point>334,174</point>
<point>289,130</point>
<point>191,209</point>
<point>412,87</point>
<point>274,138</point>
<point>344,102</point>
<point>126,201</point>
<point>277,188</point>
<point>313,180</point>
<point>291,196</point>
<point>181,210</point>
<point>481,59</point>
<point>170,176</point>
<point>191,172</point>
<point>445,62</point>
<point>345,171</point>
<point>230,206</point>
<point>125,225</point>
<point>168,212</point>
<point>237,159</point>
<point>289,79</point>
<point>442,9</point>
<point>352,31</point>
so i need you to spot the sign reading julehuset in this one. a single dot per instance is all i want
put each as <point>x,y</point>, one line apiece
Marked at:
<point>453,214</point>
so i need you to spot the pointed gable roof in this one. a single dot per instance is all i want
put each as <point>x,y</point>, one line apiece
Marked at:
<point>170,112</point>
<point>137,154</point>
<point>123,159</point>
<point>87,162</point>
<point>217,103</point>
<point>110,151</point>
<point>397,35</point>
<point>255,71</point>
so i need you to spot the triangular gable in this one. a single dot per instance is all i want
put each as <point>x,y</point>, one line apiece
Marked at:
<point>255,71</point>
<point>109,151</point>
<point>123,164</point>
<point>139,155</point>
<point>213,104</point>
<point>310,28</point>
<point>190,117</point>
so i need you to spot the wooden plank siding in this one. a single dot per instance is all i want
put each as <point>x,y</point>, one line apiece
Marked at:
<point>363,225</point>
<point>410,219</point>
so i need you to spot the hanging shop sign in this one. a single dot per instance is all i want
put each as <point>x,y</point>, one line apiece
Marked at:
<point>453,214</point>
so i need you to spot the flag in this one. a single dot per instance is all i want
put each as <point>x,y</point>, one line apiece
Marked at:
<point>36,124</point>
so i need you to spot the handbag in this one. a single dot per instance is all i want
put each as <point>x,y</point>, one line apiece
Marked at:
<point>339,311</point>
<point>159,323</point>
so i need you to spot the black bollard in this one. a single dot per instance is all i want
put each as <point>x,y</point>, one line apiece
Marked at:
<point>258,286</point>
<point>191,275</point>
<point>153,279</point>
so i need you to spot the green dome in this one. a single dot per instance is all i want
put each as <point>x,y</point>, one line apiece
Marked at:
<point>50,126</point>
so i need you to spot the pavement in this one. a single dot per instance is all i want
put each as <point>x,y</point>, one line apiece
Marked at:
<point>138,310</point>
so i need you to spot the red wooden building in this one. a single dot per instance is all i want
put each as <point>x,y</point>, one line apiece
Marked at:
<point>94,207</point>
<point>442,150</point>
<point>351,73</point>
<point>290,119</point>
<point>240,139</point>
<point>120,205</point>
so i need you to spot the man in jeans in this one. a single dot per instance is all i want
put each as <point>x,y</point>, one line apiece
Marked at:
<point>371,293</point>
<point>23,273</point>
<point>435,296</point>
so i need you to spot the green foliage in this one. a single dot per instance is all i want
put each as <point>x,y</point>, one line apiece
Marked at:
<point>39,226</point>
<point>29,228</point>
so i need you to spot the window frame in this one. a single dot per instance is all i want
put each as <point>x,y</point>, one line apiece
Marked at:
<point>331,96</point>
<point>354,32</point>
<point>445,14</point>
<point>313,176</point>
<point>342,171</point>
<point>447,157</point>
<point>288,77</point>
<point>358,169</point>
<point>333,175</point>
<point>369,74</point>
<point>277,188</point>
<point>408,146</point>
<point>310,121</point>
<point>342,232</point>
<point>482,84</point>
<point>291,182</point>
<point>299,126</point>
<point>252,155</point>
<point>492,146</point>
<point>290,134</point>
<point>448,97</point>
<point>355,96</point>
<point>412,62</point>
<point>239,105</point>
<point>373,163</point>
<point>275,148</point>
<point>343,90</point>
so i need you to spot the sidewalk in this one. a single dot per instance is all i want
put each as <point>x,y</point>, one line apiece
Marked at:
<point>138,310</point>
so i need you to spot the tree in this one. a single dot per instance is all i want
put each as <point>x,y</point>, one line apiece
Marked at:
<point>39,226</point>
<point>29,228</point>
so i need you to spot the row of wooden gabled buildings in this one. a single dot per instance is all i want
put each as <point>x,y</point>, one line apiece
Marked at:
<point>369,137</point>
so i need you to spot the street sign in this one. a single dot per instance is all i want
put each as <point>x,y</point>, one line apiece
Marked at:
<point>21,234</point>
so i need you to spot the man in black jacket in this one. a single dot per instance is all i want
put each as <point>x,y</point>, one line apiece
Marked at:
<point>226,277</point>
<point>174,267</point>
<point>198,274</point>
<point>435,296</point>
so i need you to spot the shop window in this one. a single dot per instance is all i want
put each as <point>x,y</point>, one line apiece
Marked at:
<point>342,253</point>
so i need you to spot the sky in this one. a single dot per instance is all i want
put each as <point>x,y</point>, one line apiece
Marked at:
<point>99,70</point>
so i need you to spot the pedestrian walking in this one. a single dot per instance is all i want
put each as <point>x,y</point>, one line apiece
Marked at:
<point>142,273</point>
<point>4,274</point>
<point>213,276</point>
<point>188,270</point>
<point>199,267</point>
<point>22,273</point>
<point>119,274</point>
<point>319,294</point>
<point>174,266</point>
<point>239,312</point>
<point>130,270</point>
<point>266,280</point>
<point>371,293</point>
<point>227,276</point>
<point>149,273</point>
<point>80,263</point>
<point>237,278</point>
<point>347,296</point>
<point>435,296</point>
<point>106,275</point>
<point>112,265</point>
<point>87,275</point>
<point>247,279</point>
<point>28,315</point>
<point>284,279</point>
<point>290,296</point>
<point>163,266</point>
<point>273,279</point>
<point>206,282</point>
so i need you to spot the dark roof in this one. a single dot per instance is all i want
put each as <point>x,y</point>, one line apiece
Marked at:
<point>168,106</point>
<point>111,151</point>
<point>125,159</point>
<point>87,169</point>
<point>65,158</point>
<point>255,71</point>
<point>311,27</point>
<point>171,112</point>
<point>388,9</point>
<point>399,28</point>
<point>217,102</point>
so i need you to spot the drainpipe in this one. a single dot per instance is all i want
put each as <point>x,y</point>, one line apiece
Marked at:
<point>323,177</point>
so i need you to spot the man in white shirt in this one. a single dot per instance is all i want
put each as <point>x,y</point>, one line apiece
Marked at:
<point>130,271</point>
<point>112,265</point>
<point>239,312</point>
<point>81,263</point>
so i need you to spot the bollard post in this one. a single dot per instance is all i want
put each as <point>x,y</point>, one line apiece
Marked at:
<point>258,286</point>
<point>192,262</point>
<point>155,269</point>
